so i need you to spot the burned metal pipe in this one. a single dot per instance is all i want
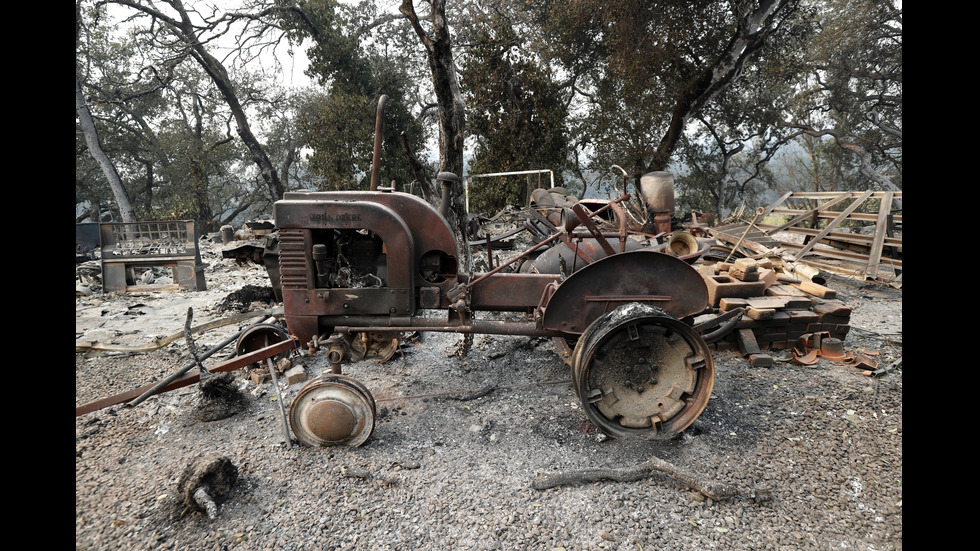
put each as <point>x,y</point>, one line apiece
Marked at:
<point>336,349</point>
<point>612,169</point>
<point>444,206</point>
<point>476,326</point>
<point>180,373</point>
<point>323,263</point>
<point>379,127</point>
<point>447,179</point>
<point>187,379</point>
<point>513,260</point>
<point>621,213</point>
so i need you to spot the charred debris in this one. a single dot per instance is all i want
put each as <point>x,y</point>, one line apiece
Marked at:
<point>635,300</point>
<point>578,271</point>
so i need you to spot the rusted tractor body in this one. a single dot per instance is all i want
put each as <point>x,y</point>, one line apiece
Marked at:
<point>383,263</point>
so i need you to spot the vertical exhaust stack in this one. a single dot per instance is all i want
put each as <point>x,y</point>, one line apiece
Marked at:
<point>379,127</point>
<point>448,179</point>
<point>657,190</point>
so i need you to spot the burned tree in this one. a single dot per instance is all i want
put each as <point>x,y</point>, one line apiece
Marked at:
<point>177,31</point>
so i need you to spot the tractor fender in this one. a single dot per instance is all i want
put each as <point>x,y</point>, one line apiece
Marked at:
<point>643,276</point>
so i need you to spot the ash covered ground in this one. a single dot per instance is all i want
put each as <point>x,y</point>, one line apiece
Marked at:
<point>822,443</point>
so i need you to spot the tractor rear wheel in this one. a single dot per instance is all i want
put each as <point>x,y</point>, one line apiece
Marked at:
<point>640,372</point>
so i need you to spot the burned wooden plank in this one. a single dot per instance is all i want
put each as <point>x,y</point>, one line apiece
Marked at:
<point>880,230</point>
<point>833,224</point>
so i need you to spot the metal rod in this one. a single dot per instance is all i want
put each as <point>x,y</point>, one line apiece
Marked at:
<point>547,240</point>
<point>232,364</point>
<point>513,260</point>
<point>586,220</point>
<point>562,234</point>
<point>282,408</point>
<point>614,205</point>
<point>489,253</point>
<point>192,347</point>
<point>156,388</point>
<point>477,327</point>
<point>758,213</point>
<point>625,176</point>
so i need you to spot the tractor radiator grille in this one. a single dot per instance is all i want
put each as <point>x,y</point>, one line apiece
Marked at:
<point>292,259</point>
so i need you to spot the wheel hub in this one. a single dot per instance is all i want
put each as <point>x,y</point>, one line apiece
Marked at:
<point>333,410</point>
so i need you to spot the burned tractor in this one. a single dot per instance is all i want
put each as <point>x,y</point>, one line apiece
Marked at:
<point>355,269</point>
<point>382,263</point>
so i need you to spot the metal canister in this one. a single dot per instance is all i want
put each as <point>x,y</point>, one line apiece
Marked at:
<point>657,189</point>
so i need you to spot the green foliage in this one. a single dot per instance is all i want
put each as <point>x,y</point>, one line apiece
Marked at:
<point>516,113</point>
<point>338,129</point>
<point>574,86</point>
<point>336,59</point>
<point>339,125</point>
<point>635,60</point>
<point>854,91</point>
<point>164,127</point>
<point>718,181</point>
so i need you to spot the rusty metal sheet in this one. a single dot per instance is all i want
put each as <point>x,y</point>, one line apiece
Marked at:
<point>570,253</point>
<point>510,292</point>
<point>429,229</point>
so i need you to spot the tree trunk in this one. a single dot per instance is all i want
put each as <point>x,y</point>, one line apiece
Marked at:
<point>445,84</point>
<point>220,77</point>
<point>451,108</point>
<point>126,211</point>
<point>420,172</point>
<point>148,186</point>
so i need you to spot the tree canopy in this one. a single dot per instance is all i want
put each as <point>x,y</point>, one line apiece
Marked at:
<point>181,114</point>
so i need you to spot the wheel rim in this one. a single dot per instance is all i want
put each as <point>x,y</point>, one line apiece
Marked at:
<point>639,372</point>
<point>260,336</point>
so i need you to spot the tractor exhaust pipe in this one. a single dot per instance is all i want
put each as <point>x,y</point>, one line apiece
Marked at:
<point>379,127</point>
<point>447,179</point>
